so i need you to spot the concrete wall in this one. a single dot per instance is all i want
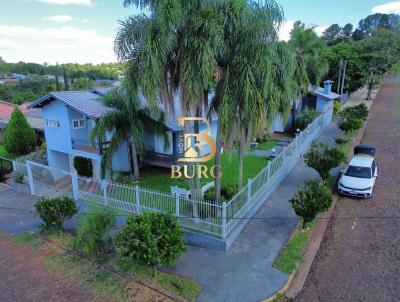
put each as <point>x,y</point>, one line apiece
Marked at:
<point>325,106</point>
<point>58,160</point>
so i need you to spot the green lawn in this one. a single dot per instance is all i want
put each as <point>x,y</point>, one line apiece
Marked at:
<point>5,154</point>
<point>160,179</point>
<point>268,145</point>
<point>292,254</point>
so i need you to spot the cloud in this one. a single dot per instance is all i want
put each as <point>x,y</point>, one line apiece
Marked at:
<point>7,43</point>
<point>285,29</point>
<point>387,8</point>
<point>59,18</point>
<point>67,2</point>
<point>64,44</point>
<point>287,26</point>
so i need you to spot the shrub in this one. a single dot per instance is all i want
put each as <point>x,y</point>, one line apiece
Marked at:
<point>305,118</point>
<point>311,200</point>
<point>83,166</point>
<point>360,111</point>
<point>350,124</point>
<point>55,211</point>
<point>341,140</point>
<point>336,108</point>
<point>323,158</point>
<point>19,177</point>
<point>227,192</point>
<point>93,235</point>
<point>43,146</point>
<point>152,238</point>
<point>19,137</point>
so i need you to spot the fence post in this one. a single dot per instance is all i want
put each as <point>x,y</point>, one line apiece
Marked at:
<point>248,189</point>
<point>75,186</point>
<point>177,214</point>
<point>223,219</point>
<point>104,185</point>
<point>30,177</point>
<point>14,166</point>
<point>137,195</point>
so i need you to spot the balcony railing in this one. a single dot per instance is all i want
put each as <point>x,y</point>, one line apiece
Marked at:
<point>84,146</point>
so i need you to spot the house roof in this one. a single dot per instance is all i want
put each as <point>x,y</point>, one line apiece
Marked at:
<point>321,92</point>
<point>85,102</point>
<point>33,116</point>
<point>6,109</point>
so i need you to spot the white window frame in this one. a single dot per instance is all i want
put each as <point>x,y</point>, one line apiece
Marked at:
<point>79,123</point>
<point>52,123</point>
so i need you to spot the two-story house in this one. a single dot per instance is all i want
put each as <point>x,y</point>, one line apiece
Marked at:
<point>69,117</point>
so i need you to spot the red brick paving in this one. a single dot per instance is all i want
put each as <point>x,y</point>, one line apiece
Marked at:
<point>359,259</point>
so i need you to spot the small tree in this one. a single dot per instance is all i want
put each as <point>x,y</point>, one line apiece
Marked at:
<point>311,200</point>
<point>19,137</point>
<point>305,118</point>
<point>153,239</point>
<point>55,211</point>
<point>323,158</point>
<point>83,166</point>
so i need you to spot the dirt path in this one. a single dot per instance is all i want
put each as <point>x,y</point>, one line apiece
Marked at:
<point>22,278</point>
<point>359,259</point>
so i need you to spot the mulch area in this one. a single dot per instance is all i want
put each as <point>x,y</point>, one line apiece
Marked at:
<point>359,258</point>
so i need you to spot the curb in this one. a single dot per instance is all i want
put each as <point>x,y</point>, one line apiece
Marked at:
<point>296,280</point>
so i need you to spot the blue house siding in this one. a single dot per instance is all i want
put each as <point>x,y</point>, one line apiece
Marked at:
<point>57,139</point>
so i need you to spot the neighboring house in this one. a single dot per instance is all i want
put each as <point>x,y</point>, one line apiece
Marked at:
<point>69,117</point>
<point>49,77</point>
<point>113,83</point>
<point>318,98</point>
<point>33,116</point>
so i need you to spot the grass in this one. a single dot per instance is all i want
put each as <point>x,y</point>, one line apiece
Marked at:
<point>292,254</point>
<point>102,281</point>
<point>5,154</point>
<point>268,145</point>
<point>160,179</point>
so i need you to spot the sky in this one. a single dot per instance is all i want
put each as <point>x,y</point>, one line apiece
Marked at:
<point>82,31</point>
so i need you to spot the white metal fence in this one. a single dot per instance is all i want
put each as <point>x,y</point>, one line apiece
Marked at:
<point>218,220</point>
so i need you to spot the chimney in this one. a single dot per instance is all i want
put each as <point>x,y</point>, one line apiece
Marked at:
<point>328,86</point>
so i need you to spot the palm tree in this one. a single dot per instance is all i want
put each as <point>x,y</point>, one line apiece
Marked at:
<point>311,67</point>
<point>128,122</point>
<point>171,54</point>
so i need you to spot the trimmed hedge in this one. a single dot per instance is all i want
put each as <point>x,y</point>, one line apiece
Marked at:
<point>55,211</point>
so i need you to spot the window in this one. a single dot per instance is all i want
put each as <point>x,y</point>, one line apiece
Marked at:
<point>77,124</point>
<point>52,123</point>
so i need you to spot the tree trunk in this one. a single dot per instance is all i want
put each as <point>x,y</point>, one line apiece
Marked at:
<point>294,116</point>
<point>241,155</point>
<point>217,181</point>
<point>136,173</point>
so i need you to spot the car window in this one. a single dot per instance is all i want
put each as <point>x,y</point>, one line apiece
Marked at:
<point>359,172</point>
<point>373,167</point>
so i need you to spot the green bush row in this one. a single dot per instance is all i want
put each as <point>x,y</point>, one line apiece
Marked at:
<point>152,238</point>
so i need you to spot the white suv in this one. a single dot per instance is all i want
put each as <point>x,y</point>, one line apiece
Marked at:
<point>358,178</point>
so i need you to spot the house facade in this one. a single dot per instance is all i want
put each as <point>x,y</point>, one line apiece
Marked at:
<point>69,117</point>
<point>319,98</point>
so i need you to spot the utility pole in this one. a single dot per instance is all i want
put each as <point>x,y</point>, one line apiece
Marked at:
<point>343,78</point>
<point>340,75</point>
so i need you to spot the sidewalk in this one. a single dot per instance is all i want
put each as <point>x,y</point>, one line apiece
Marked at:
<point>245,272</point>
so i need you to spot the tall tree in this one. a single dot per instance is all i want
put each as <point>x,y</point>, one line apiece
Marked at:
<point>82,83</point>
<point>66,84</point>
<point>127,123</point>
<point>310,47</point>
<point>332,34</point>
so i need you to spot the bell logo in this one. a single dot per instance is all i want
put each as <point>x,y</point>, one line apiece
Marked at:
<point>192,145</point>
